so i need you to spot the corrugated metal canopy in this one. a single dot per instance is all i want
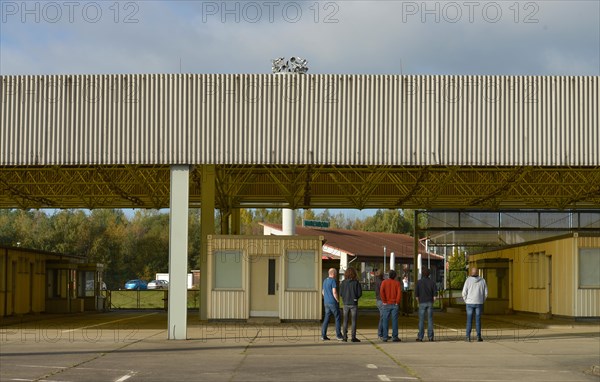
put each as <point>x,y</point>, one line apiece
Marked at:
<point>264,119</point>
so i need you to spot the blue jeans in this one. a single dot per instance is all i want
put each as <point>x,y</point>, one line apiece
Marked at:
<point>380,327</point>
<point>332,309</point>
<point>425,307</point>
<point>477,308</point>
<point>390,310</point>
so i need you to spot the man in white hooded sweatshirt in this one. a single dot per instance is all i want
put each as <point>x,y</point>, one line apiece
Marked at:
<point>474,293</point>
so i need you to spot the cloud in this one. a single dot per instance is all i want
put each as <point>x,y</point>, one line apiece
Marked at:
<point>371,37</point>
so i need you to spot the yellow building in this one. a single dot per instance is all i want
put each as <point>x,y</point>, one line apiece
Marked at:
<point>558,276</point>
<point>33,281</point>
<point>264,276</point>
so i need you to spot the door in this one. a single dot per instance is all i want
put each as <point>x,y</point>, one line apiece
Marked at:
<point>31,287</point>
<point>264,286</point>
<point>13,302</point>
<point>549,278</point>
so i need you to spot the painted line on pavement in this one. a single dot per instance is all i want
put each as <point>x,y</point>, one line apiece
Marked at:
<point>109,322</point>
<point>125,377</point>
<point>385,378</point>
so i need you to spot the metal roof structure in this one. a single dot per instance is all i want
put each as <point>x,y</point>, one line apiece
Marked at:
<point>302,141</point>
<point>486,229</point>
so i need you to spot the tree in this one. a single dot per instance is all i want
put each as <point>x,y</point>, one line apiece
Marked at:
<point>8,230</point>
<point>147,251</point>
<point>108,232</point>
<point>457,269</point>
<point>392,221</point>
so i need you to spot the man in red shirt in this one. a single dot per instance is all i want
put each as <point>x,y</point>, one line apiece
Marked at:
<point>391,295</point>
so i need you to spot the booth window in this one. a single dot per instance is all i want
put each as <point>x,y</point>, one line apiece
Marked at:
<point>228,269</point>
<point>589,267</point>
<point>301,269</point>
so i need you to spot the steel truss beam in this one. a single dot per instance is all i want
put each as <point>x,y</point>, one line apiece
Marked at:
<point>307,186</point>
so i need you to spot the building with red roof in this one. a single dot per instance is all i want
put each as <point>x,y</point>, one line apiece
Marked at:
<point>366,251</point>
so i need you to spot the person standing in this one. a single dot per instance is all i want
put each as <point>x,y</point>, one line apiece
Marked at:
<point>378,281</point>
<point>425,293</point>
<point>331,304</point>
<point>474,294</point>
<point>391,295</point>
<point>351,291</point>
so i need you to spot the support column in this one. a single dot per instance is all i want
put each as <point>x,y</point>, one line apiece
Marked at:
<point>207,227</point>
<point>178,252</point>
<point>236,222</point>
<point>416,256</point>
<point>288,217</point>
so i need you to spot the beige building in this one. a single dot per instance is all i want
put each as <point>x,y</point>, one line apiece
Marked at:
<point>558,276</point>
<point>258,276</point>
<point>33,281</point>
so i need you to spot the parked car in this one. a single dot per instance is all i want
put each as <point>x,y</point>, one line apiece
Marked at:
<point>158,284</point>
<point>136,284</point>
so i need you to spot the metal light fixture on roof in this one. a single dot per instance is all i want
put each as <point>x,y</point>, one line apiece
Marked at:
<point>293,65</point>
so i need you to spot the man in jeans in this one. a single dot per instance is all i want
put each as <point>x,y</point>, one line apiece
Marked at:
<point>474,293</point>
<point>332,305</point>
<point>425,293</point>
<point>391,295</point>
<point>351,291</point>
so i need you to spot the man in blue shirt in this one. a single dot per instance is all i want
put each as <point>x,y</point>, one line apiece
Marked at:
<point>332,305</point>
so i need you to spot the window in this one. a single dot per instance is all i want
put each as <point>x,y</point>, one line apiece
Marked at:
<point>89,283</point>
<point>537,270</point>
<point>301,269</point>
<point>589,267</point>
<point>228,269</point>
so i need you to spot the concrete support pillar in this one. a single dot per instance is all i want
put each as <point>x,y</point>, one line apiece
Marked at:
<point>207,227</point>
<point>289,221</point>
<point>178,252</point>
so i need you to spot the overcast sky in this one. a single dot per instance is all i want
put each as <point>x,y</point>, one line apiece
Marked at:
<point>358,37</point>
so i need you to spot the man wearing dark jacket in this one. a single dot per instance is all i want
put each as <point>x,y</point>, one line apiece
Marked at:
<point>425,293</point>
<point>351,291</point>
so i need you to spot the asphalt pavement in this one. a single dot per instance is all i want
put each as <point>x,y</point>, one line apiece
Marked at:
<point>132,346</point>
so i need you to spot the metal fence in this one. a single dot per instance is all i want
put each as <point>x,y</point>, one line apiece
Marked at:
<point>146,299</point>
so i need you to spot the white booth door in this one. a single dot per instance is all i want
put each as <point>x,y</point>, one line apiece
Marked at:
<point>264,286</point>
